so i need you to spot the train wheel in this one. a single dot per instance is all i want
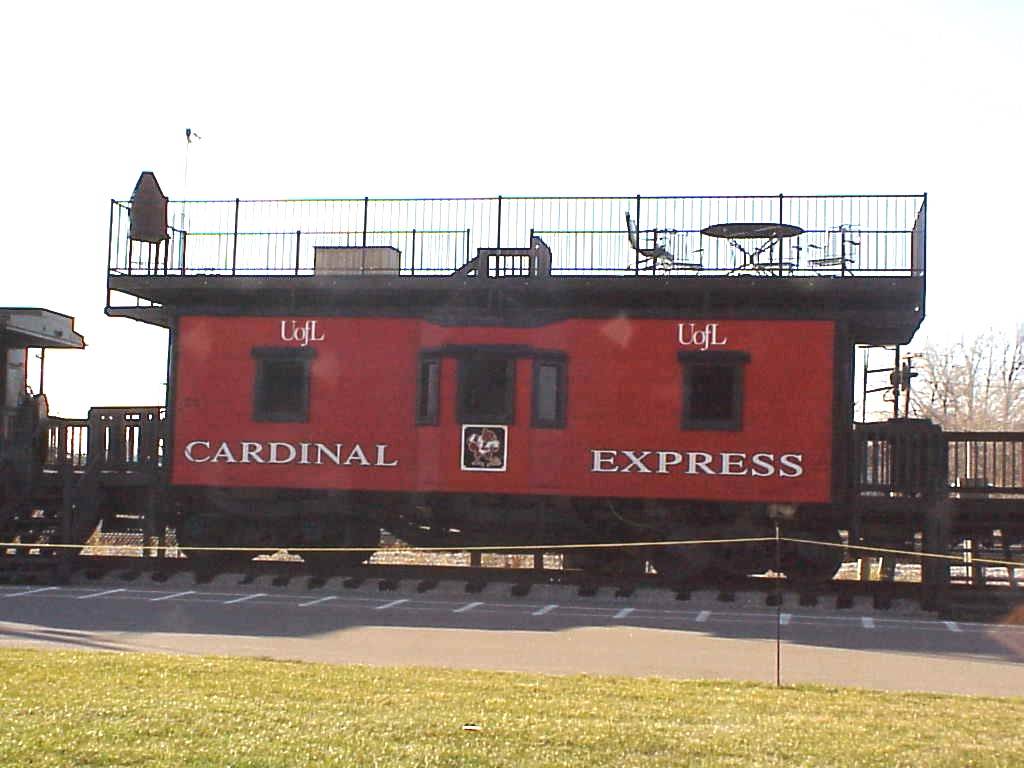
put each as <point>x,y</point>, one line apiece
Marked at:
<point>735,562</point>
<point>681,564</point>
<point>351,533</point>
<point>204,530</point>
<point>605,563</point>
<point>811,565</point>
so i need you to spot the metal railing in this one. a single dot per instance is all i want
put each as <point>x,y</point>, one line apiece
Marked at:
<point>861,235</point>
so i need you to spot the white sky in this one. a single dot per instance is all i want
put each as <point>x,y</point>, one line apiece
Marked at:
<point>476,98</point>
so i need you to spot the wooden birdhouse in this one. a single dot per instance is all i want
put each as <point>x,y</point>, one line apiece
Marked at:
<point>149,210</point>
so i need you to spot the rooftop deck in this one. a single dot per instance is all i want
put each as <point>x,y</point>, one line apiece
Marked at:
<point>873,243</point>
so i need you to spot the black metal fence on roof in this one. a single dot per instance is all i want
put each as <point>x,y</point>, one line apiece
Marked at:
<point>851,235</point>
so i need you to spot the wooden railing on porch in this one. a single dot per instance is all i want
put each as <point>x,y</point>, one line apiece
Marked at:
<point>115,439</point>
<point>915,457</point>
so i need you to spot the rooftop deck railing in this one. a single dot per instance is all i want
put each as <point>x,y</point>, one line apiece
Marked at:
<point>853,235</point>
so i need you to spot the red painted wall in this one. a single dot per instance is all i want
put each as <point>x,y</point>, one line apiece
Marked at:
<point>624,381</point>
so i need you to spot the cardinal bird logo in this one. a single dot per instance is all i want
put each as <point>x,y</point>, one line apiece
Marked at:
<point>484,448</point>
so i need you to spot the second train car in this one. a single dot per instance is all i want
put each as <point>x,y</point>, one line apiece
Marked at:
<point>537,394</point>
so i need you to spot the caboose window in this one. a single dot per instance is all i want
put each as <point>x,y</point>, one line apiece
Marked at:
<point>429,400</point>
<point>281,388</point>
<point>486,389</point>
<point>713,389</point>
<point>549,392</point>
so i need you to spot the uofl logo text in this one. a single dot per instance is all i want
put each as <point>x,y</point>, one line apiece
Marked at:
<point>702,338</point>
<point>302,332</point>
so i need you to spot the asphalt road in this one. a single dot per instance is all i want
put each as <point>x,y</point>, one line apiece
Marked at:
<point>551,630</point>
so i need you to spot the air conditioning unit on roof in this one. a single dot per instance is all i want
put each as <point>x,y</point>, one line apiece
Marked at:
<point>356,260</point>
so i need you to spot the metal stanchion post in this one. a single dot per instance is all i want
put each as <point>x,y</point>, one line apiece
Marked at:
<point>777,513</point>
<point>778,607</point>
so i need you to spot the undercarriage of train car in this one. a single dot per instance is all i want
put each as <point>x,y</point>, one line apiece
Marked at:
<point>628,532</point>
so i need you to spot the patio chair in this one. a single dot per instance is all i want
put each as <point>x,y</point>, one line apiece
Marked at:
<point>656,257</point>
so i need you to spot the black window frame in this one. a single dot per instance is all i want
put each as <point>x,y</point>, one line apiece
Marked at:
<point>736,363</point>
<point>466,415</point>
<point>263,356</point>
<point>560,363</point>
<point>428,401</point>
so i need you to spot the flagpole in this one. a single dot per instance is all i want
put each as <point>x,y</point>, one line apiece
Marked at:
<point>184,194</point>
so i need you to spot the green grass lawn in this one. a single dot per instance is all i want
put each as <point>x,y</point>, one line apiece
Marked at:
<point>104,709</point>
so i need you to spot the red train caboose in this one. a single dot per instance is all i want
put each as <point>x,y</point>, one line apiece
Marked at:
<point>520,371</point>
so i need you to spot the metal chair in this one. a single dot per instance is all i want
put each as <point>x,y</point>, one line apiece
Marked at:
<point>831,260</point>
<point>657,256</point>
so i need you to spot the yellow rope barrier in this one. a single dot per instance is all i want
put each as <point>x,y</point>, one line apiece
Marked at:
<point>910,552</point>
<point>526,548</point>
<point>489,548</point>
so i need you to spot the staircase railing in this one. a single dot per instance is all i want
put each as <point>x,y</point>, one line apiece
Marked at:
<point>10,491</point>
<point>82,504</point>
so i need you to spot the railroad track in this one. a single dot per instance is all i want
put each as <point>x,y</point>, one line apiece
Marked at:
<point>395,567</point>
<point>960,601</point>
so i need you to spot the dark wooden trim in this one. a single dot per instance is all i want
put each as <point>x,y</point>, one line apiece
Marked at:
<point>508,414</point>
<point>278,354</point>
<point>736,361</point>
<point>170,411</point>
<point>430,415</point>
<point>716,357</point>
<point>879,309</point>
<point>283,353</point>
<point>1002,437</point>
<point>561,363</point>
<point>843,366</point>
<point>496,350</point>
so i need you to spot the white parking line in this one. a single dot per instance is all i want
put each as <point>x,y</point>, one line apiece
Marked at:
<point>318,601</point>
<point>392,604</point>
<point>867,622</point>
<point>703,616</point>
<point>35,591</point>
<point>99,594</point>
<point>623,613</point>
<point>244,598</point>
<point>467,607</point>
<point>545,609</point>
<point>784,618</point>
<point>171,597</point>
<point>952,626</point>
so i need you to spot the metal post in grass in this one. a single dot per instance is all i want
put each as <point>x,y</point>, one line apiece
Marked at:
<point>777,513</point>
<point>778,607</point>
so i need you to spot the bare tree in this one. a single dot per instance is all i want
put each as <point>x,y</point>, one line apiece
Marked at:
<point>972,384</point>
